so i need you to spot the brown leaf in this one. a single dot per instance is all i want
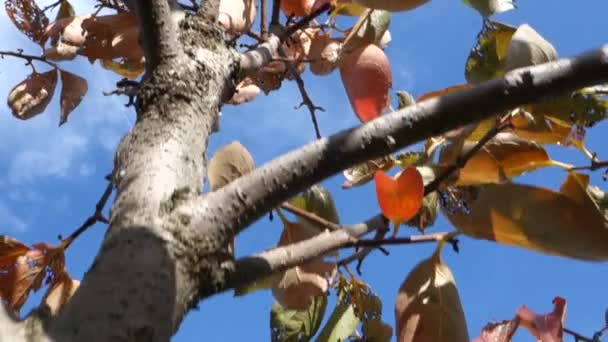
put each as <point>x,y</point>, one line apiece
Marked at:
<point>246,91</point>
<point>73,89</point>
<point>28,18</point>
<point>59,292</point>
<point>323,54</point>
<point>548,327</point>
<point>30,97</point>
<point>428,307</point>
<point>10,249</point>
<point>297,287</point>
<point>61,52</point>
<point>504,157</point>
<point>567,223</point>
<point>125,67</point>
<point>228,163</point>
<point>498,331</point>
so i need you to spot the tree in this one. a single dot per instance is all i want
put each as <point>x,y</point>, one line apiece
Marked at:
<point>169,243</point>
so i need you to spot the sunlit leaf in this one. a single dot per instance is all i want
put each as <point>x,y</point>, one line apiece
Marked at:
<point>486,59</point>
<point>503,157</point>
<point>372,28</point>
<point>291,325</point>
<point>348,8</point>
<point>489,7</point>
<point>60,292</point>
<point>30,97</point>
<point>363,173</point>
<point>401,197</point>
<point>498,331</point>
<point>124,67</point>
<point>73,88</point>
<point>541,129</point>
<point>428,307</point>
<point>367,78</point>
<point>568,223</point>
<point>28,18</point>
<point>341,324</point>
<point>228,163</point>
<point>527,47</point>
<point>548,327</point>
<point>319,201</point>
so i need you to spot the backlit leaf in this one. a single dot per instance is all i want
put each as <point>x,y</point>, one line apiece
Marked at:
<point>60,292</point>
<point>363,173</point>
<point>428,307</point>
<point>401,197</point>
<point>72,90</point>
<point>568,223</point>
<point>548,327</point>
<point>576,108</point>
<point>341,324</point>
<point>319,201</point>
<point>30,97</point>
<point>489,7</point>
<point>28,18</point>
<point>372,28</point>
<point>229,162</point>
<point>498,331</point>
<point>291,325</point>
<point>486,59</point>
<point>124,67</point>
<point>527,47</point>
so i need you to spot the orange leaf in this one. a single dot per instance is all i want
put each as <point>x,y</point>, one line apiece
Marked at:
<point>73,89</point>
<point>399,198</point>
<point>28,18</point>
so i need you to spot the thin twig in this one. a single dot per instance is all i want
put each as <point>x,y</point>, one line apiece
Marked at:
<point>399,241</point>
<point>462,160</point>
<point>97,216</point>
<point>593,166</point>
<point>264,19</point>
<point>306,101</point>
<point>577,336</point>
<point>28,58</point>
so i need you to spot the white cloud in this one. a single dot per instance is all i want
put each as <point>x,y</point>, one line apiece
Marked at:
<point>9,221</point>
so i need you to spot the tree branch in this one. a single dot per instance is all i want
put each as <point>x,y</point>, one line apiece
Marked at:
<point>243,201</point>
<point>158,36</point>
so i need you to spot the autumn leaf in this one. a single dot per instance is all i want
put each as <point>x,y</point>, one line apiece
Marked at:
<point>367,78</point>
<point>498,331</point>
<point>486,59</point>
<point>31,97</point>
<point>124,67</point>
<point>58,294</point>
<point>73,89</point>
<point>324,53</point>
<point>28,18</point>
<point>245,91</point>
<point>548,327</point>
<point>527,47</point>
<point>504,157</point>
<point>229,162</point>
<point>372,27</point>
<point>237,16</point>
<point>399,198</point>
<point>569,223</point>
<point>428,307</point>
<point>297,287</point>
<point>297,325</point>
<point>316,200</point>
<point>363,173</point>
<point>341,324</point>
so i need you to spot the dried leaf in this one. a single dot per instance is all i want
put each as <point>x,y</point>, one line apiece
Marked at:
<point>61,52</point>
<point>125,67</point>
<point>548,327</point>
<point>367,78</point>
<point>527,47</point>
<point>567,223</point>
<point>73,89</point>
<point>324,53</point>
<point>377,331</point>
<point>237,16</point>
<point>245,91</point>
<point>504,157</point>
<point>498,331</point>
<point>391,5</point>
<point>297,287</point>
<point>291,325</point>
<point>490,7</point>
<point>363,173</point>
<point>486,59</point>
<point>10,250</point>
<point>428,307</point>
<point>427,214</point>
<point>399,198</point>
<point>28,18</point>
<point>60,292</point>
<point>228,163</point>
<point>30,97</point>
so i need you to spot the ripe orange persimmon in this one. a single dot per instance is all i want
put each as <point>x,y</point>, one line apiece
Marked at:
<point>366,75</point>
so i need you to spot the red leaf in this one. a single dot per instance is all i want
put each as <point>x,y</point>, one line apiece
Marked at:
<point>73,89</point>
<point>548,327</point>
<point>498,331</point>
<point>400,198</point>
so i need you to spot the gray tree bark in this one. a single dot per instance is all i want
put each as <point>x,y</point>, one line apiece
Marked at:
<point>164,250</point>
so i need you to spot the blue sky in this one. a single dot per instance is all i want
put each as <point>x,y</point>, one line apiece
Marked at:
<point>53,176</point>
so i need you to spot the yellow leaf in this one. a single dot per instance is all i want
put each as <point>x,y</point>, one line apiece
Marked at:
<point>126,68</point>
<point>428,308</point>
<point>567,223</point>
